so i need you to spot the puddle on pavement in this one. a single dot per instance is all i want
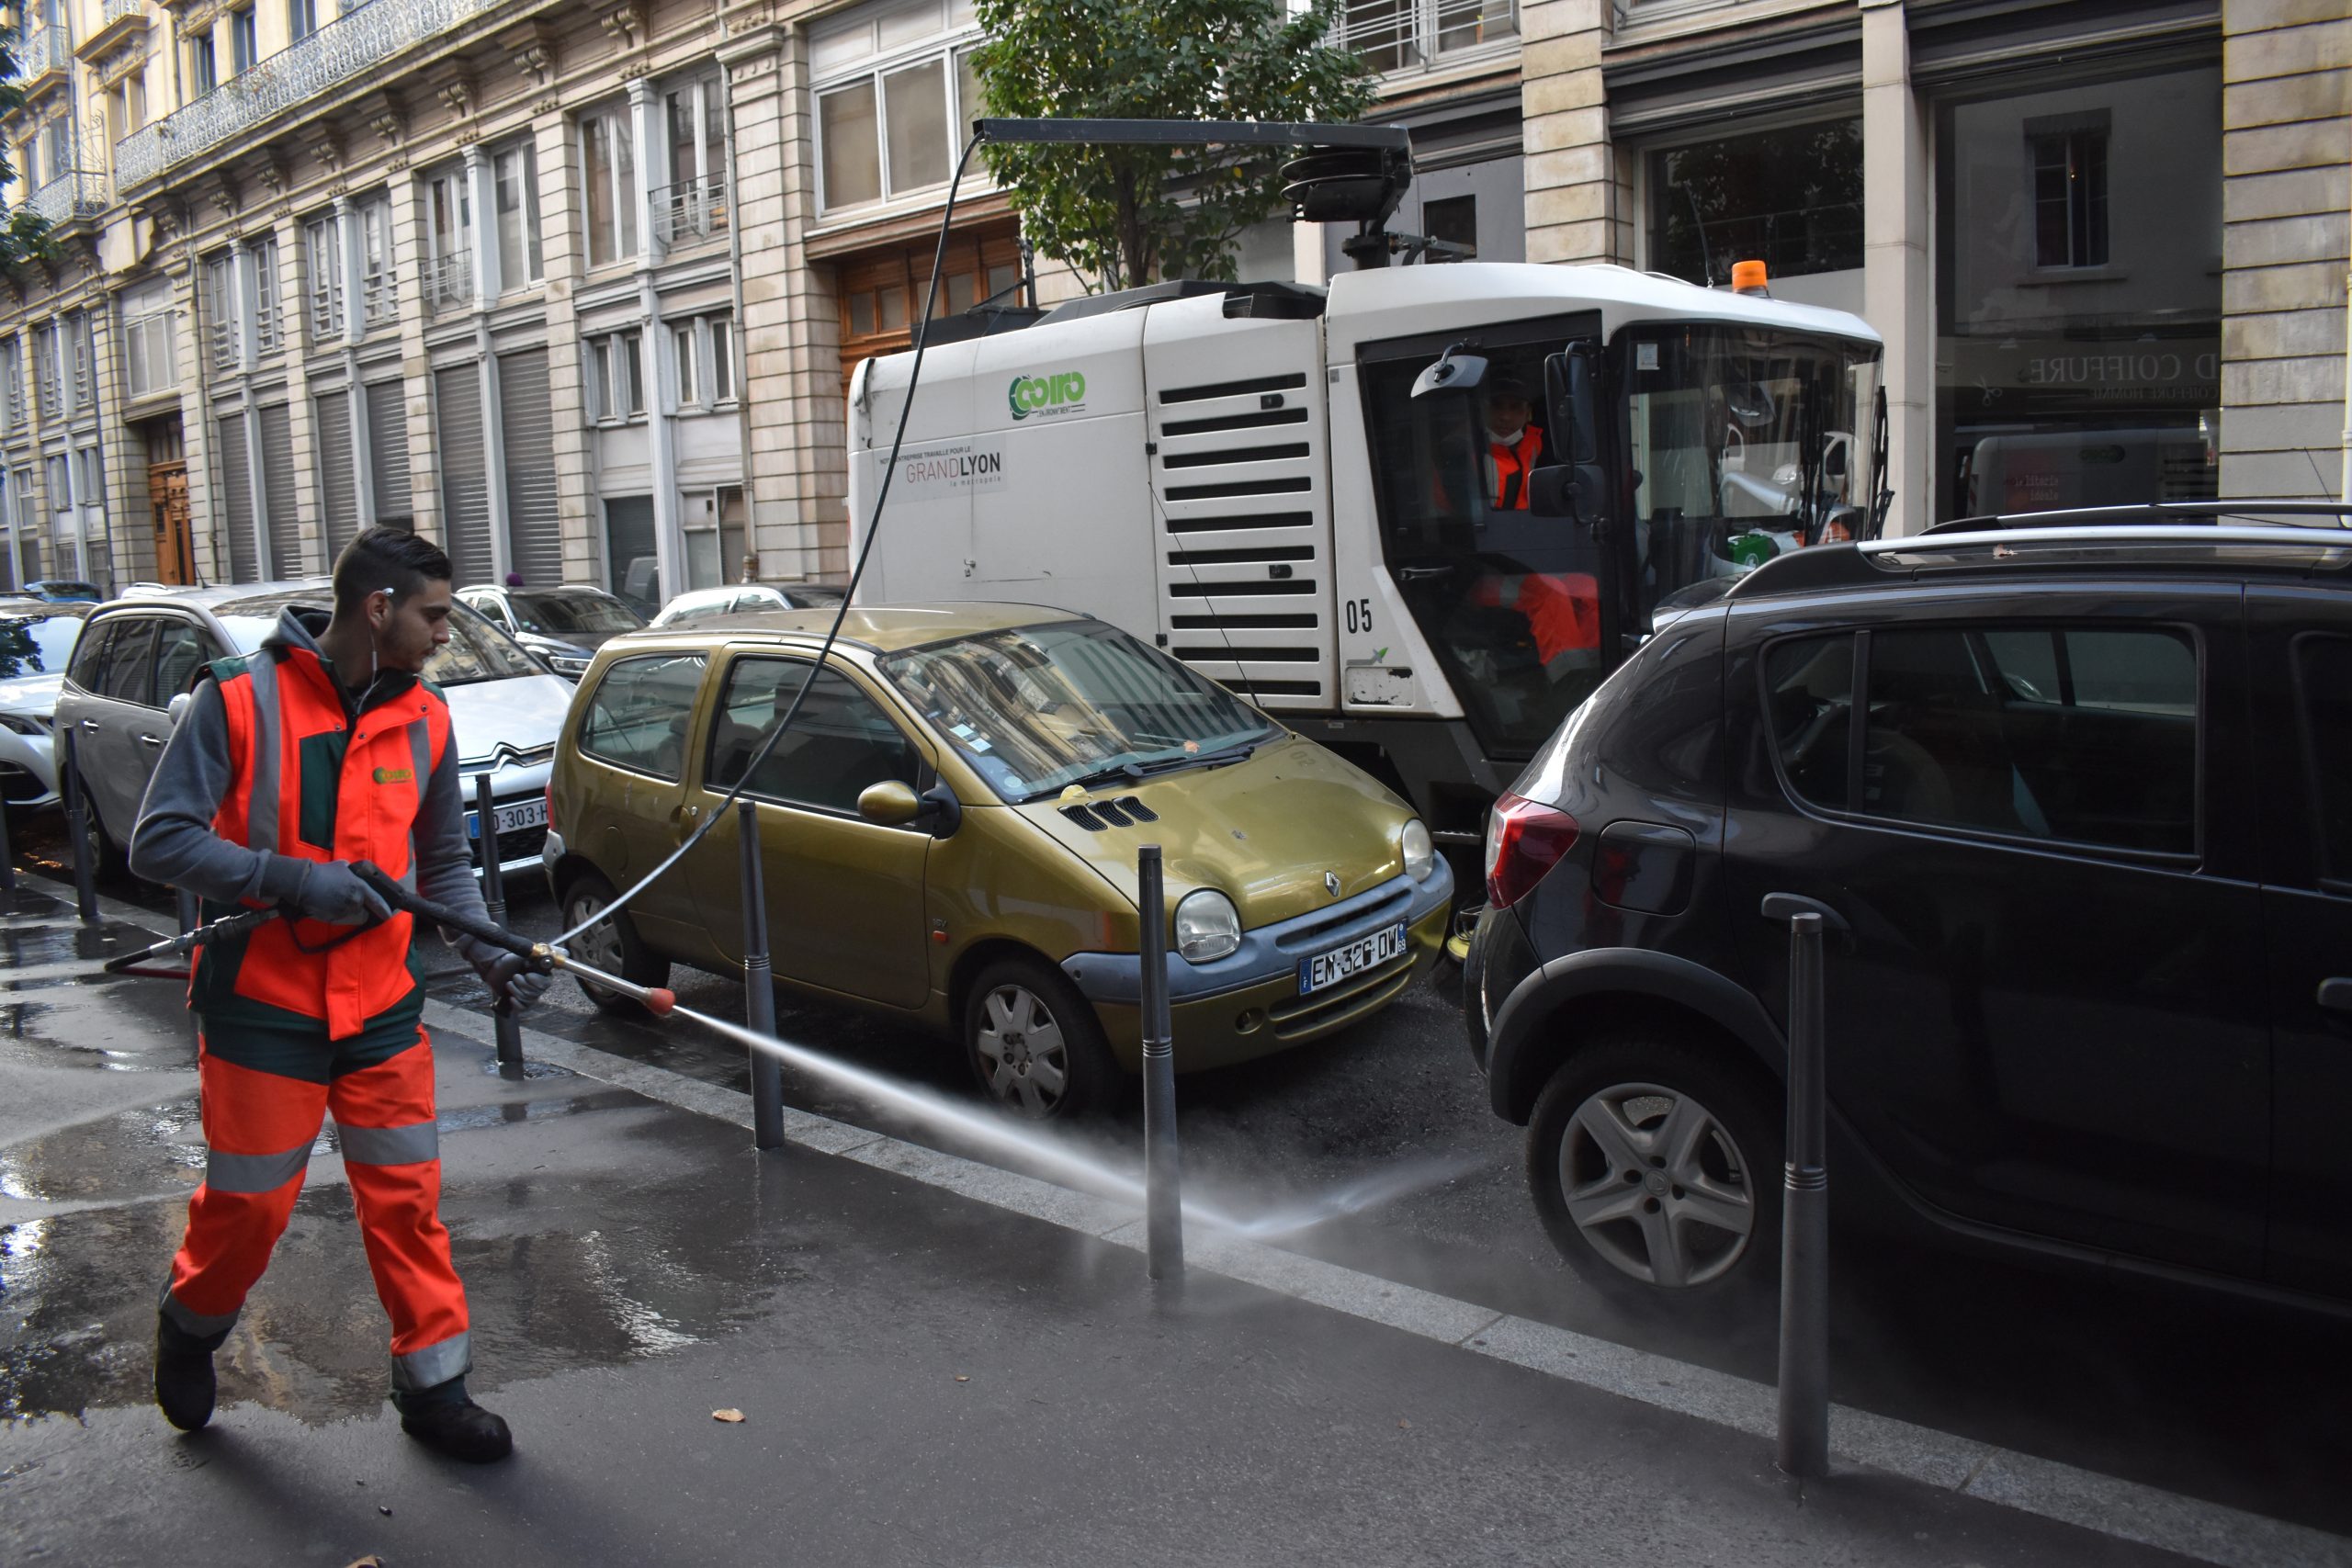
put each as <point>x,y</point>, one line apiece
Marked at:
<point>604,1249</point>
<point>120,1026</point>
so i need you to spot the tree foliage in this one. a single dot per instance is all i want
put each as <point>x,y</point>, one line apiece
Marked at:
<point>24,235</point>
<point>1122,216</point>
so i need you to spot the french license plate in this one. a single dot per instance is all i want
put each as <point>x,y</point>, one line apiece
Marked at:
<point>521,814</point>
<point>1365,952</point>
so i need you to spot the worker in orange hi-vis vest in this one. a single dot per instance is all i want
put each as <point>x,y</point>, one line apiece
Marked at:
<point>325,748</point>
<point>1563,609</point>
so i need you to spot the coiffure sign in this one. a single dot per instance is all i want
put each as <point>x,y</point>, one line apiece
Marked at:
<point>2013,375</point>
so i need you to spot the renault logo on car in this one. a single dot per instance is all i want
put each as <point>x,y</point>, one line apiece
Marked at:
<point>1331,883</point>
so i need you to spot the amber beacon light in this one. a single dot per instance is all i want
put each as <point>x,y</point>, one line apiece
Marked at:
<point>1747,277</point>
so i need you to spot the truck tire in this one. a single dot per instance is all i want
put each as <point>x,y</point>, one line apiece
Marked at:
<point>1655,1162</point>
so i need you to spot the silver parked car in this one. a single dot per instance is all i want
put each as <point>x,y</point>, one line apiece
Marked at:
<point>36,641</point>
<point>139,652</point>
<point>746,598</point>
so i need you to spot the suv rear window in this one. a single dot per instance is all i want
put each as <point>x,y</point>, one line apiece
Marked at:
<point>2070,733</point>
<point>640,712</point>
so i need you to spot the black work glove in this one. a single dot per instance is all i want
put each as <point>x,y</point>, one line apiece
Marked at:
<point>510,977</point>
<point>332,893</point>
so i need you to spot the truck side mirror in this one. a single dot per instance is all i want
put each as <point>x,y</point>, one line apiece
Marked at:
<point>1455,370</point>
<point>1576,486</point>
<point>178,707</point>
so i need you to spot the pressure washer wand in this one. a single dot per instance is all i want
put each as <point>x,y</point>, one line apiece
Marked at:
<point>228,926</point>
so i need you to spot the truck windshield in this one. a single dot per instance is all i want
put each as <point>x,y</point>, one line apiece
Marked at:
<point>1035,708</point>
<point>1744,445</point>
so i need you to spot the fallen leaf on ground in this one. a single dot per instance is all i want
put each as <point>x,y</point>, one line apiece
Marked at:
<point>728,1416</point>
<point>961,1378</point>
<point>370,1560</point>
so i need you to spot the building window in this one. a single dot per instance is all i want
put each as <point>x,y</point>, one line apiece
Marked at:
<point>60,483</point>
<point>449,239</point>
<point>616,376</point>
<point>608,162</point>
<point>322,273</point>
<point>892,88</point>
<point>701,352</point>
<point>2069,197</point>
<point>92,489</point>
<point>244,42</point>
<point>79,393</point>
<point>881,295</point>
<point>1791,198</point>
<point>149,328</point>
<point>45,371</point>
<point>301,18</point>
<point>712,520</point>
<point>126,105</point>
<point>203,66</point>
<point>221,308</point>
<point>515,174</point>
<point>268,335</point>
<point>12,395</point>
<point>376,285</point>
<point>693,206</point>
<point>1414,35</point>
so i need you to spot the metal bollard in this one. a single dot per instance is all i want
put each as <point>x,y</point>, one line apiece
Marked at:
<point>759,987</point>
<point>1803,1448</point>
<point>77,828</point>
<point>504,1025</point>
<point>1163,1175</point>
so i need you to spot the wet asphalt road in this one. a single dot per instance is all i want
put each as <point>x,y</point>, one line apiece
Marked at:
<point>2190,1391</point>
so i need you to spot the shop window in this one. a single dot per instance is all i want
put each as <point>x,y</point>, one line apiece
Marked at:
<point>608,184</point>
<point>2069,197</point>
<point>893,83</point>
<point>515,177</point>
<point>1791,198</point>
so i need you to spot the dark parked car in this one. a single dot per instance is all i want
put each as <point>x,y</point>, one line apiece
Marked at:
<point>2074,802</point>
<point>561,627</point>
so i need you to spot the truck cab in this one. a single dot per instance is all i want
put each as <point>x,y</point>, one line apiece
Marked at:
<point>1417,516</point>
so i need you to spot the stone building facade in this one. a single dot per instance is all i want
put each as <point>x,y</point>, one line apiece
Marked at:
<point>577,288</point>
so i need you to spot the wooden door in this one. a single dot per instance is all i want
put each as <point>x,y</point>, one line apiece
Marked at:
<point>174,551</point>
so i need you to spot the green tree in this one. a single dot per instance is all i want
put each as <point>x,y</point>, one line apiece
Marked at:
<point>24,235</point>
<point>1122,216</point>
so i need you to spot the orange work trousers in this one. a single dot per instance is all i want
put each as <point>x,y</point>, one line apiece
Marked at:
<point>258,1127</point>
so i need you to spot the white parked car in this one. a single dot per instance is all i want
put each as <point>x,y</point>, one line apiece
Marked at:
<point>36,642</point>
<point>140,651</point>
<point>745,598</point>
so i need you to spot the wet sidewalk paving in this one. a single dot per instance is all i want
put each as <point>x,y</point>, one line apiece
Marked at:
<point>924,1376</point>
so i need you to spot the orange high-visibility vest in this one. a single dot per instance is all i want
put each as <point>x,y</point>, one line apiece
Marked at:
<point>308,781</point>
<point>1512,464</point>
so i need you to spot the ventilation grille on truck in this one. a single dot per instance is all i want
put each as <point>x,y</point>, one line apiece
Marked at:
<point>1237,426</point>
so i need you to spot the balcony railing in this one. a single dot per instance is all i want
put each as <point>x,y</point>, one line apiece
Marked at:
<point>114,11</point>
<point>1419,35</point>
<point>449,280</point>
<point>696,210</point>
<point>46,50</point>
<point>344,50</point>
<point>78,193</point>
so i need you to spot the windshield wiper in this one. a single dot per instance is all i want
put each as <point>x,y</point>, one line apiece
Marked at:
<point>1136,773</point>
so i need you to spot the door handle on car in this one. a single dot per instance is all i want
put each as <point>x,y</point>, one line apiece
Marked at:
<point>1422,573</point>
<point>151,740</point>
<point>2335,994</point>
<point>91,724</point>
<point>1778,907</point>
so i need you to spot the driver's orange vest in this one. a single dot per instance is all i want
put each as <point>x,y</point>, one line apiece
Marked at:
<point>1512,464</point>
<point>308,781</point>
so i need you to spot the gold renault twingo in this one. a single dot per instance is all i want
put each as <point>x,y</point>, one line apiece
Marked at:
<point>949,832</point>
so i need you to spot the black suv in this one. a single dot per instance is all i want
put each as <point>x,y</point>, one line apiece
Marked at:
<point>2074,800</point>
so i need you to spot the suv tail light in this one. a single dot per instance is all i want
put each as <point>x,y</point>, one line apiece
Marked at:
<point>1524,840</point>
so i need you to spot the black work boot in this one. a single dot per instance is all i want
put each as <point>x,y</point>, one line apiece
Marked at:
<point>184,1386</point>
<point>446,1420</point>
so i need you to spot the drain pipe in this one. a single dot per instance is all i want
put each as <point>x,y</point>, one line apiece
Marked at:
<point>736,345</point>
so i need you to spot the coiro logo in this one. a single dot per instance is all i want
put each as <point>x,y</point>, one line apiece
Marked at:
<point>1035,394</point>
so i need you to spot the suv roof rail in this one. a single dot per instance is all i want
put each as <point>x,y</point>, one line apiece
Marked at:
<point>2170,513</point>
<point>2171,544</point>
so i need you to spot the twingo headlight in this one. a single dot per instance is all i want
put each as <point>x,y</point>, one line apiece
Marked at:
<point>1421,855</point>
<point>1208,926</point>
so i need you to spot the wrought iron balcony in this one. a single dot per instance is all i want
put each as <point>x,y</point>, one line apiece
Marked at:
<point>78,193</point>
<point>114,11</point>
<point>1420,35</point>
<point>45,50</point>
<point>449,280</point>
<point>343,51</point>
<point>694,211</point>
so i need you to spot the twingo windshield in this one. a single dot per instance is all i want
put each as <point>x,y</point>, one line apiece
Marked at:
<point>1035,708</point>
<point>573,612</point>
<point>1744,445</point>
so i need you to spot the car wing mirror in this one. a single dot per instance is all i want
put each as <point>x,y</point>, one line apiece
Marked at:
<point>177,708</point>
<point>890,803</point>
